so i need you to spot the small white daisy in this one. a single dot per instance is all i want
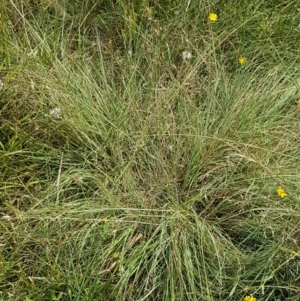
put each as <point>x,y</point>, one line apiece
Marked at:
<point>186,55</point>
<point>55,113</point>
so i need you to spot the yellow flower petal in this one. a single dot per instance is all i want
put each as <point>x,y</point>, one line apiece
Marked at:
<point>213,17</point>
<point>281,192</point>
<point>249,298</point>
<point>242,60</point>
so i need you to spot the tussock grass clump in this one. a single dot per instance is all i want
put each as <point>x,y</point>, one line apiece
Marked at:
<point>142,150</point>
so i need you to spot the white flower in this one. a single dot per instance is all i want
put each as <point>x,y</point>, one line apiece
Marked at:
<point>55,113</point>
<point>186,55</point>
<point>1,84</point>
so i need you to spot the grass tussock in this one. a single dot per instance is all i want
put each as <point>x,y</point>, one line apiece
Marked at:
<point>142,147</point>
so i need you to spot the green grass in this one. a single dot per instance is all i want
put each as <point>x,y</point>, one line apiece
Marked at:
<point>130,173</point>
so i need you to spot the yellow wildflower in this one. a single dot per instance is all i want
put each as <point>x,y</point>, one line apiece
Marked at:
<point>249,298</point>
<point>105,220</point>
<point>213,17</point>
<point>281,192</point>
<point>242,60</point>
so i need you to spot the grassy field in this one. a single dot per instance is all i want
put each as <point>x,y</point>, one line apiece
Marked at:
<point>149,150</point>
